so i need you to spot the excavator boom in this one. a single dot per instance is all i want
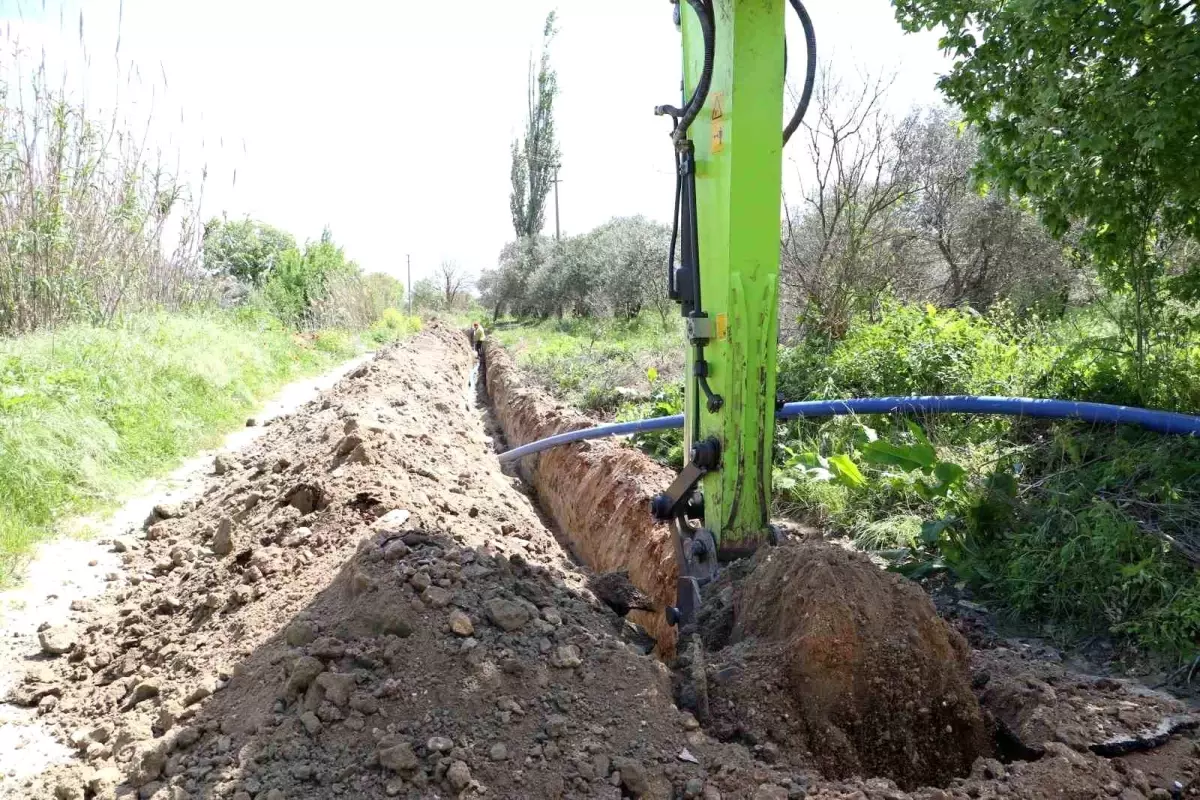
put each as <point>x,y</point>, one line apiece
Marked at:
<point>729,158</point>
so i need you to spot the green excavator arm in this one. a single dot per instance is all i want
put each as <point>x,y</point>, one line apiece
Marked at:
<point>729,154</point>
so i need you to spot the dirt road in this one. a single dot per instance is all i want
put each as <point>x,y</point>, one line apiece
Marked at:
<point>364,605</point>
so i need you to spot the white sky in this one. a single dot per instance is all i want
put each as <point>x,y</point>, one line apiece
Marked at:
<point>391,121</point>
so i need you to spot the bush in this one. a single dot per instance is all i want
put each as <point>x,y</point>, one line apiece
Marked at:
<point>301,281</point>
<point>1083,529</point>
<point>245,250</point>
<point>1094,534</point>
<point>393,326</point>
<point>914,350</point>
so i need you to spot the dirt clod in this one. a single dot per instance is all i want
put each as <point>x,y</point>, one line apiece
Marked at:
<point>57,640</point>
<point>222,540</point>
<point>459,775</point>
<point>399,758</point>
<point>461,624</point>
<point>223,463</point>
<point>507,615</point>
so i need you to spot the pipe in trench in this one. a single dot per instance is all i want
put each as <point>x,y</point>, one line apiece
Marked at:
<point>1166,422</point>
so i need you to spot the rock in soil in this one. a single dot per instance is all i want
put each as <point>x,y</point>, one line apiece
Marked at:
<point>1035,702</point>
<point>57,639</point>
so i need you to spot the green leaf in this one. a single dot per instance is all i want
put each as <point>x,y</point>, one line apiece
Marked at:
<point>867,434</point>
<point>652,374</point>
<point>949,473</point>
<point>784,483</point>
<point>931,532</point>
<point>907,457</point>
<point>917,431</point>
<point>916,570</point>
<point>847,471</point>
<point>809,459</point>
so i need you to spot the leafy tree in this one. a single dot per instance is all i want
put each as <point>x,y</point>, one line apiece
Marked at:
<point>534,158</point>
<point>1090,110</point>
<point>631,257</point>
<point>615,270</point>
<point>976,248</point>
<point>245,249</point>
<point>384,290</point>
<point>426,294</point>
<point>298,281</point>
<point>506,287</point>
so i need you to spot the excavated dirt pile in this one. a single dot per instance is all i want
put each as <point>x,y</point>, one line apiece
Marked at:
<point>813,649</point>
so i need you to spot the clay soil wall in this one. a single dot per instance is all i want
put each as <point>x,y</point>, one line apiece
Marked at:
<point>597,493</point>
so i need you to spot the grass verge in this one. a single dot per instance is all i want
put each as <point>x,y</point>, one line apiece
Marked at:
<point>87,411</point>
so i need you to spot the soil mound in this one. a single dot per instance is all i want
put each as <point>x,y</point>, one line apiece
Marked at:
<point>831,657</point>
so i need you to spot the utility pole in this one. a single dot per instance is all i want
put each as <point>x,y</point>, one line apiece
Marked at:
<point>408,258</point>
<point>557,228</point>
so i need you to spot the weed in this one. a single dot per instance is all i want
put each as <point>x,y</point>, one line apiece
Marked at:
<point>393,326</point>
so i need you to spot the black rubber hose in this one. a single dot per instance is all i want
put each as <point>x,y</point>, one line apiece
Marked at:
<point>810,44</point>
<point>704,11</point>
<point>672,290</point>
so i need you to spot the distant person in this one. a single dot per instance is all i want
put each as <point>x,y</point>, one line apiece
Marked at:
<point>477,338</point>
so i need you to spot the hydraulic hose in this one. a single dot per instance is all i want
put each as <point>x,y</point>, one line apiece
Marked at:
<point>810,46</point>
<point>672,290</point>
<point>685,116</point>
<point>1166,422</point>
<point>704,11</point>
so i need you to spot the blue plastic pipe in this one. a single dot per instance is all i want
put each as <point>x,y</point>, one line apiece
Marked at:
<point>1168,422</point>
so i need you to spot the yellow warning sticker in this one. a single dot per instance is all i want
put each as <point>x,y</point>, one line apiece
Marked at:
<point>722,326</point>
<point>718,122</point>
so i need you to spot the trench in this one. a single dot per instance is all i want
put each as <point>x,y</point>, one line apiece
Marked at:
<point>596,496</point>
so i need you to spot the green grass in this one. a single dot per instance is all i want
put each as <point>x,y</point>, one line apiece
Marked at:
<point>598,365</point>
<point>85,412</point>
